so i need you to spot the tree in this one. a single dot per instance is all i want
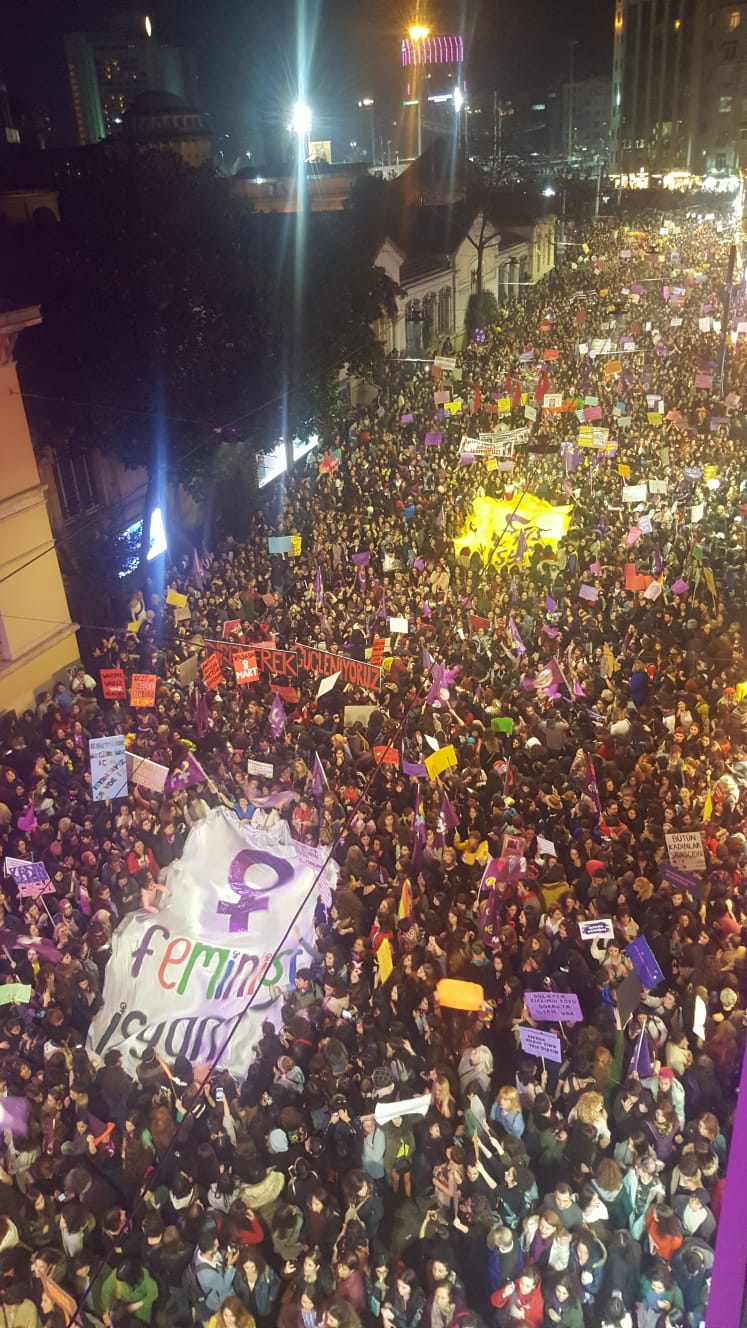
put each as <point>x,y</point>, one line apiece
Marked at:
<point>482,311</point>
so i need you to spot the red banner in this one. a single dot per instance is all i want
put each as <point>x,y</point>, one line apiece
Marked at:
<point>386,756</point>
<point>113,684</point>
<point>377,652</point>
<point>143,689</point>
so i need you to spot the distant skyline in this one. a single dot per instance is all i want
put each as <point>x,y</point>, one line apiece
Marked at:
<point>243,52</point>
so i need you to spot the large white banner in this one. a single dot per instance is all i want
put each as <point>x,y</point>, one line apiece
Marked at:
<point>178,978</point>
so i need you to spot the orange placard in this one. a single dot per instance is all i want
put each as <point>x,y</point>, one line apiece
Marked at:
<point>245,666</point>
<point>143,689</point>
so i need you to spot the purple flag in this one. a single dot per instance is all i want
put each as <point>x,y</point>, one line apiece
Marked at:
<point>361,559</point>
<point>418,565</point>
<point>418,830</point>
<point>415,768</point>
<point>440,694</point>
<point>550,604</point>
<point>447,819</point>
<point>515,637</point>
<point>280,799</point>
<point>640,1061</point>
<point>489,920</point>
<point>277,718</point>
<point>189,772</point>
<point>428,660</point>
<point>318,591</point>
<point>318,778</point>
<point>591,788</point>
<point>27,821</point>
<point>196,572</point>
<point>521,546</point>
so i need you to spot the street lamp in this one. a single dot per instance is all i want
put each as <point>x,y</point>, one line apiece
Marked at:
<point>300,124</point>
<point>458,100</point>
<point>367,104</point>
<point>418,33</point>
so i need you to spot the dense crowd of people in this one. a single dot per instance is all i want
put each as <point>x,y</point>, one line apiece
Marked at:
<point>532,1193</point>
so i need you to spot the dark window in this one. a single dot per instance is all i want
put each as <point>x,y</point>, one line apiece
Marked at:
<point>75,486</point>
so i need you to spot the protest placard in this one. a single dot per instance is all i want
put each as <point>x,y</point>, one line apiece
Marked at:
<point>245,666</point>
<point>596,929</point>
<point>634,493</point>
<point>108,766</point>
<point>113,684</point>
<point>264,769</point>
<point>15,993</point>
<point>148,774</point>
<point>212,671</point>
<point>553,1005</point>
<point>627,995</point>
<point>143,689</point>
<point>535,1042</point>
<point>642,958</point>
<point>441,760</point>
<point>188,671</point>
<point>685,850</point>
<point>176,599</point>
<point>31,878</point>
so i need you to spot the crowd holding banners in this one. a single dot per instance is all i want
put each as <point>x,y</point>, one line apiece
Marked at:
<point>569,735</point>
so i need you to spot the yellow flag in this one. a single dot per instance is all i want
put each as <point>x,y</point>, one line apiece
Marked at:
<point>708,578</point>
<point>384,959</point>
<point>708,807</point>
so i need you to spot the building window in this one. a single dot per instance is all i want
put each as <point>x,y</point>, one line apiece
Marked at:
<point>720,161</point>
<point>724,105</point>
<point>413,327</point>
<point>75,486</point>
<point>733,19</point>
<point>444,311</point>
<point>728,51</point>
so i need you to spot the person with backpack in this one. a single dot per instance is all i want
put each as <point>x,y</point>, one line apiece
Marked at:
<point>213,1275</point>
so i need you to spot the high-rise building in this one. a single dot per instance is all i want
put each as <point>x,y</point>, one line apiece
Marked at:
<point>578,121</point>
<point>656,85</point>
<point>679,87</point>
<point>722,119</point>
<point>110,68</point>
<point>432,88</point>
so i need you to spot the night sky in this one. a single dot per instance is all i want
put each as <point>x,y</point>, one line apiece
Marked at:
<point>243,52</point>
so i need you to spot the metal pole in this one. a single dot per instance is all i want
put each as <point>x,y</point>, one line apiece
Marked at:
<point>571,45</point>
<point>495,126</point>
<point>373,138</point>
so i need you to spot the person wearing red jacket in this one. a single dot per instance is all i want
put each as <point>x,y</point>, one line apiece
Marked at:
<point>521,1300</point>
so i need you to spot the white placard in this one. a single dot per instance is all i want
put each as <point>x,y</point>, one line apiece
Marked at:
<point>262,768</point>
<point>685,850</point>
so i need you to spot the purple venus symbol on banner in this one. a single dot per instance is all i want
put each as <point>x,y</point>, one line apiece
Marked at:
<point>252,897</point>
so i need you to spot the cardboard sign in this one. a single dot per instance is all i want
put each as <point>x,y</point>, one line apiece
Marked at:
<point>596,928</point>
<point>143,690</point>
<point>642,958</point>
<point>176,599</point>
<point>31,878</point>
<point>628,995</point>
<point>441,760</point>
<point>384,960</point>
<point>188,670</point>
<point>148,774</point>
<point>15,993</point>
<point>634,493</point>
<point>685,850</point>
<point>245,666</point>
<point>108,766</point>
<point>113,684</point>
<point>212,671</point>
<point>537,1043</point>
<point>400,625</point>
<point>553,1005</point>
<point>357,714</point>
<point>262,768</point>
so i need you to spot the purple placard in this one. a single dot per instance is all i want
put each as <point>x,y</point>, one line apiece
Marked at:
<point>588,592</point>
<point>433,439</point>
<point>406,419</point>
<point>642,958</point>
<point>536,1043</point>
<point>414,768</point>
<point>361,559</point>
<point>552,1005</point>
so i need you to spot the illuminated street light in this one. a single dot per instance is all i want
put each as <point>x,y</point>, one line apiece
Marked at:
<point>549,192</point>
<point>300,124</point>
<point>365,102</point>
<point>458,99</point>
<point>418,33</point>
